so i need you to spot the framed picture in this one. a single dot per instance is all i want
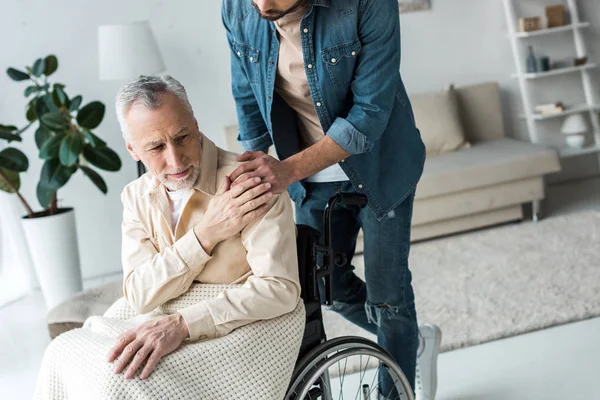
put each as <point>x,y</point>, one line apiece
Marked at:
<point>413,5</point>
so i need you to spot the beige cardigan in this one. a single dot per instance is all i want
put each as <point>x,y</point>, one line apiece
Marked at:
<point>160,265</point>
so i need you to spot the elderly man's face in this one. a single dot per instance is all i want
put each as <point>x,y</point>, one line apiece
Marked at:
<point>167,140</point>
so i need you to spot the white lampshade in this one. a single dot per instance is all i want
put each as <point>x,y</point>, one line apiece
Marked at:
<point>128,50</point>
<point>574,124</point>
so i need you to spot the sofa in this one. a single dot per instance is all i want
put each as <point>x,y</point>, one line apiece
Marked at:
<point>485,181</point>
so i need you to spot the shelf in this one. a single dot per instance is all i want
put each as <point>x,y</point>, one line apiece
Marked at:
<point>571,110</point>
<point>549,31</point>
<point>560,71</point>
<point>567,152</point>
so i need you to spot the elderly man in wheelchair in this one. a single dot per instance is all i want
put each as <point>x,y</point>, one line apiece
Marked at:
<point>213,279</point>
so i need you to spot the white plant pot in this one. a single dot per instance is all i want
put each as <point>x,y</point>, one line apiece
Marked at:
<point>52,242</point>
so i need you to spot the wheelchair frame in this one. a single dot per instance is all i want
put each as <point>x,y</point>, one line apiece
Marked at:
<point>315,346</point>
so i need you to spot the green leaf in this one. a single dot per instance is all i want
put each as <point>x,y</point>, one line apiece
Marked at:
<point>44,195</point>
<point>102,157</point>
<point>91,115</point>
<point>53,177</point>
<point>38,67</point>
<point>49,103</point>
<point>95,178</point>
<point>41,136</point>
<point>13,159</point>
<point>70,148</point>
<point>92,139</point>
<point>8,128</point>
<point>55,121</point>
<point>75,103</point>
<point>10,137</point>
<point>17,75</point>
<point>59,96</point>
<point>51,65</point>
<point>40,107</point>
<point>30,114</point>
<point>30,90</point>
<point>51,146</point>
<point>12,181</point>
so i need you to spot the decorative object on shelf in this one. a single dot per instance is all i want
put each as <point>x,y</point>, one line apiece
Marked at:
<point>67,146</point>
<point>531,61</point>
<point>555,16</point>
<point>574,128</point>
<point>550,109</point>
<point>413,5</point>
<point>574,124</point>
<point>580,61</point>
<point>530,24</point>
<point>575,141</point>
<point>545,64</point>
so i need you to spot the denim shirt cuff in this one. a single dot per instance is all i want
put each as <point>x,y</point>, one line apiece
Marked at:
<point>261,143</point>
<point>348,138</point>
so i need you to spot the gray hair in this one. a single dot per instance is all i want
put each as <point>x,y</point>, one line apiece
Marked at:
<point>147,90</point>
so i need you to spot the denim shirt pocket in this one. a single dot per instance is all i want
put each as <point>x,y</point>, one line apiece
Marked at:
<point>249,58</point>
<point>340,62</point>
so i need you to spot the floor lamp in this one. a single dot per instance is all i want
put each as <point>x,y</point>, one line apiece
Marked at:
<point>126,51</point>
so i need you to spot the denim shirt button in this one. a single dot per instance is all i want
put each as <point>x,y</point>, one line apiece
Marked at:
<point>333,60</point>
<point>318,104</point>
<point>239,53</point>
<point>305,30</point>
<point>360,186</point>
<point>309,66</point>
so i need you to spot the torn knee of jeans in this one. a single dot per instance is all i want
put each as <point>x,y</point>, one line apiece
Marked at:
<point>378,312</point>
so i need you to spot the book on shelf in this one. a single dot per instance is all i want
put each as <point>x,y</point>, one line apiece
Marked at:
<point>550,109</point>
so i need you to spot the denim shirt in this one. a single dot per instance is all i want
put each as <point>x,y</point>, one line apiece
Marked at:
<point>352,59</point>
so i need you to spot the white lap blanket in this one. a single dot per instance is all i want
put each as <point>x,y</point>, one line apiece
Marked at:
<point>253,362</point>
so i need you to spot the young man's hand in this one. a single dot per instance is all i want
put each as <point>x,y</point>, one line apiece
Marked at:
<point>259,164</point>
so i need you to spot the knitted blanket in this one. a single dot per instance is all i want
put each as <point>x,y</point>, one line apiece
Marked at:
<point>255,361</point>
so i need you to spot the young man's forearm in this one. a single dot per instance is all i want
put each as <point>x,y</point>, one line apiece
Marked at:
<point>316,158</point>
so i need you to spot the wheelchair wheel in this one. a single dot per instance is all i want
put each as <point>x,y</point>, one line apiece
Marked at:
<point>347,367</point>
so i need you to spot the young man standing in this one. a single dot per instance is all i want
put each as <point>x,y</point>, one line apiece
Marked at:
<point>319,80</point>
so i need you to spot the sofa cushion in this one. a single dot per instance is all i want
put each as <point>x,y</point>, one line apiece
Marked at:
<point>480,108</point>
<point>437,116</point>
<point>486,163</point>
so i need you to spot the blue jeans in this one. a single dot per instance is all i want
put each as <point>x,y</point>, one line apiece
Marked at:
<point>383,305</point>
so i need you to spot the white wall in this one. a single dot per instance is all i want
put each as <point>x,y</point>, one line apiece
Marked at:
<point>459,41</point>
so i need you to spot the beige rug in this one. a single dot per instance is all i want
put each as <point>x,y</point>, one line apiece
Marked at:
<point>504,281</point>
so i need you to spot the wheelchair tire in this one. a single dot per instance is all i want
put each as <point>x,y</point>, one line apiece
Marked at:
<point>311,371</point>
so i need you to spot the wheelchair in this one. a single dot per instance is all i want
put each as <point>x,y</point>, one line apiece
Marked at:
<point>320,372</point>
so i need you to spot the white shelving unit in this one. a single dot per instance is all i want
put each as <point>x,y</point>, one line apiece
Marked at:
<point>519,44</point>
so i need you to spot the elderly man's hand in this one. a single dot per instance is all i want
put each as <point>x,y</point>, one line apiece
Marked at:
<point>231,210</point>
<point>261,165</point>
<point>148,342</point>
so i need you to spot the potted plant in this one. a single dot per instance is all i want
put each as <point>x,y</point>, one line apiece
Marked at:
<point>66,143</point>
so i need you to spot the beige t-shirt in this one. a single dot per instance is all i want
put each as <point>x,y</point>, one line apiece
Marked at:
<point>292,85</point>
